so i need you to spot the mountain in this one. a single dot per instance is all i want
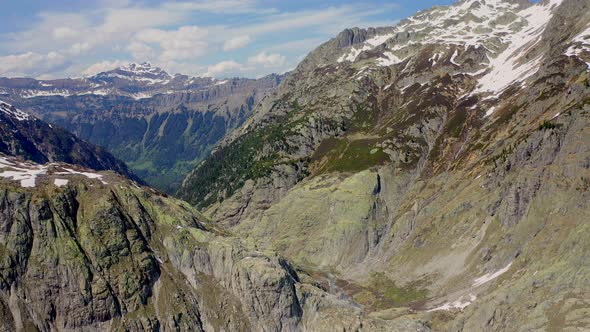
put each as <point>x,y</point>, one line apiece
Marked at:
<point>85,250</point>
<point>159,124</point>
<point>82,249</point>
<point>436,170</point>
<point>24,135</point>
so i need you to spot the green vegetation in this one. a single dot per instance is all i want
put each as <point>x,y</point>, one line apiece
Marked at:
<point>382,293</point>
<point>363,120</point>
<point>250,157</point>
<point>549,125</point>
<point>456,123</point>
<point>255,154</point>
<point>400,296</point>
<point>342,155</point>
<point>228,168</point>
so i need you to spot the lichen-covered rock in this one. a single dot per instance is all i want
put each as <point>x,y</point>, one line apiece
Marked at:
<point>102,253</point>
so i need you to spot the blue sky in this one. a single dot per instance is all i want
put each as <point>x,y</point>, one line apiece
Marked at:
<point>220,38</point>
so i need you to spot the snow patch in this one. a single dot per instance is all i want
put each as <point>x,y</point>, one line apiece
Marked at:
<point>60,182</point>
<point>13,111</point>
<point>458,304</point>
<point>507,68</point>
<point>26,173</point>
<point>454,56</point>
<point>28,94</point>
<point>89,175</point>
<point>490,111</point>
<point>490,276</point>
<point>580,44</point>
<point>389,60</point>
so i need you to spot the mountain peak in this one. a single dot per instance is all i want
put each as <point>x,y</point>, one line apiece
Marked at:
<point>143,72</point>
<point>142,69</point>
<point>138,67</point>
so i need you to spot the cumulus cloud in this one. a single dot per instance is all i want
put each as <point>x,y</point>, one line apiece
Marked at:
<point>224,67</point>
<point>28,63</point>
<point>267,60</point>
<point>219,6</point>
<point>103,66</point>
<point>259,63</point>
<point>236,43</point>
<point>140,51</point>
<point>164,33</point>
<point>60,33</point>
<point>186,42</point>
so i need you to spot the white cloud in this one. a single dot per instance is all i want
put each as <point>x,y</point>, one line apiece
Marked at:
<point>236,43</point>
<point>185,43</point>
<point>103,66</point>
<point>140,51</point>
<point>28,63</point>
<point>256,66</point>
<point>166,35</point>
<point>266,60</point>
<point>219,6</point>
<point>223,68</point>
<point>79,48</point>
<point>60,33</point>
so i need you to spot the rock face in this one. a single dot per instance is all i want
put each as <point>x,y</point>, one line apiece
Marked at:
<point>24,135</point>
<point>160,125</point>
<point>81,250</point>
<point>436,170</point>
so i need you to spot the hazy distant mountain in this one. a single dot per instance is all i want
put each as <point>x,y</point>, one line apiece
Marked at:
<point>160,125</point>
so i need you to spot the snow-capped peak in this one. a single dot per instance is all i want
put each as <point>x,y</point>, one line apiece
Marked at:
<point>139,72</point>
<point>506,29</point>
<point>141,69</point>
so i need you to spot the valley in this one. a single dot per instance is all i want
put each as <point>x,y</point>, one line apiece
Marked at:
<point>161,125</point>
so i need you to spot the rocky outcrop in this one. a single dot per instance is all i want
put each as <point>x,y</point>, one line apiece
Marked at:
<point>95,251</point>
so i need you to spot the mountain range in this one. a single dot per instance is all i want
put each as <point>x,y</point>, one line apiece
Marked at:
<point>430,176</point>
<point>160,125</point>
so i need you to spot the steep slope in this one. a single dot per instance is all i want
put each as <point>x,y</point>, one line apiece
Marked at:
<point>437,168</point>
<point>159,124</point>
<point>24,135</point>
<point>81,250</point>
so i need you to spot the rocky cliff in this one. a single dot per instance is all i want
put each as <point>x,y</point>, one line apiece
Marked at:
<point>82,251</point>
<point>436,169</point>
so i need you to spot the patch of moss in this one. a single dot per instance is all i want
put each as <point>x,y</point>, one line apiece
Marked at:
<point>399,296</point>
<point>343,155</point>
<point>382,293</point>
<point>363,119</point>
<point>456,123</point>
